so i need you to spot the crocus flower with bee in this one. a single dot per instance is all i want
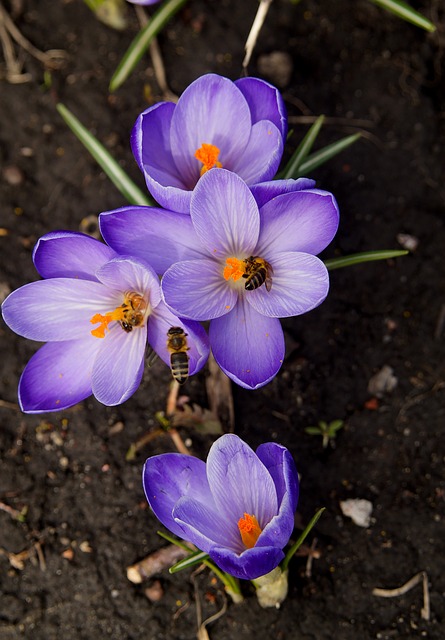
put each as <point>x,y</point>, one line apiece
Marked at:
<point>96,310</point>
<point>243,259</point>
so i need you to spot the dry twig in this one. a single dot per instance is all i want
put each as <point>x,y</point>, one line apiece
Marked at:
<point>400,591</point>
<point>255,31</point>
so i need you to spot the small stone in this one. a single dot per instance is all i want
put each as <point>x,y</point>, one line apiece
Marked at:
<point>408,242</point>
<point>384,381</point>
<point>155,592</point>
<point>13,175</point>
<point>358,510</point>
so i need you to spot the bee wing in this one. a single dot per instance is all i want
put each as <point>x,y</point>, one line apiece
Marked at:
<point>152,356</point>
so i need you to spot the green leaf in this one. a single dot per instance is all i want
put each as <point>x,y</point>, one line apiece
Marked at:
<point>323,155</point>
<point>404,11</point>
<point>197,557</point>
<point>335,425</point>
<point>110,12</point>
<point>301,539</point>
<point>313,431</point>
<point>302,151</point>
<point>139,45</point>
<point>117,175</point>
<point>365,256</point>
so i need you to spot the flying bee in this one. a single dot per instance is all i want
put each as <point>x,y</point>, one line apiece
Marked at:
<point>134,309</point>
<point>257,272</point>
<point>179,360</point>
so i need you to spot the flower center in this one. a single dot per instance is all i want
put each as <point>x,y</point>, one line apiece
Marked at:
<point>208,155</point>
<point>255,270</point>
<point>130,314</point>
<point>249,529</point>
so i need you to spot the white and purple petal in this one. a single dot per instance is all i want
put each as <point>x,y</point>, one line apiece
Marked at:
<point>161,320</point>
<point>58,376</point>
<point>68,254</point>
<point>196,290</point>
<point>170,476</point>
<point>58,309</point>
<point>248,346</point>
<point>303,221</point>
<point>251,564</point>
<point>131,274</point>
<point>119,364</point>
<point>225,215</point>
<point>239,481</point>
<point>211,111</point>
<point>262,156</point>
<point>158,236</point>
<point>300,282</point>
<point>265,102</point>
<point>265,191</point>
<point>205,525</point>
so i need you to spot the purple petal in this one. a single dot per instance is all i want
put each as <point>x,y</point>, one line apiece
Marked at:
<point>161,320</point>
<point>158,236</point>
<point>239,481</point>
<point>212,111</point>
<point>225,215</point>
<point>197,290</point>
<point>58,376</point>
<point>66,254</point>
<point>265,102</point>
<point>248,346</point>
<point>300,282</point>
<point>251,564</point>
<point>262,156</point>
<point>130,274</point>
<point>205,526</point>
<point>281,466</point>
<point>119,364</point>
<point>150,142</point>
<point>303,221</point>
<point>168,477</point>
<point>144,2</point>
<point>265,191</point>
<point>58,309</point>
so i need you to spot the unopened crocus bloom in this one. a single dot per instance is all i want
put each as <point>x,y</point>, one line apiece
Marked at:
<point>238,507</point>
<point>236,264</point>
<point>96,310</point>
<point>216,123</point>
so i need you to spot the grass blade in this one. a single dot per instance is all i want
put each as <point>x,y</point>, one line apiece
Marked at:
<point>301,539</point>
<point>139,45</point>
<point>320,157</point>
<point>404,11</point>
<point>196,557</point>
<point>303,150</point>
<point>365,256</point>
<point>117,175</point>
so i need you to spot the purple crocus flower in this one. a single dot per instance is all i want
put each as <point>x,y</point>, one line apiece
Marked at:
<point>236,264</point>
<point>238,507</point>
<point>96,310</point>
<point>240,126</point>
<point>145,2</point>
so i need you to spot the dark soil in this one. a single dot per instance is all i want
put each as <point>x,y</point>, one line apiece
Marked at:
<point>85,506</point>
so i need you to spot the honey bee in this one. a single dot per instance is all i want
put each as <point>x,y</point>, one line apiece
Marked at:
<point>257,272</point>
<point>179,360</point>
<point>134,308</point>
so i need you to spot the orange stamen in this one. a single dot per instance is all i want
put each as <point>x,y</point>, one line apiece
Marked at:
<point>208,155</point>
<point>117,314</point>
<point>249,529</point>
<point>234,269</point>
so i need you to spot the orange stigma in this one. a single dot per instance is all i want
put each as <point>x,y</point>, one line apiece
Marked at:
<point>208,155</point>
<point>130,314</point>
<point>117,314</point>
<point>234,269</point>
<point>249,529</point>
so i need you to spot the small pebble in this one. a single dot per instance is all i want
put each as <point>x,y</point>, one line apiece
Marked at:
<point>13,175</point>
